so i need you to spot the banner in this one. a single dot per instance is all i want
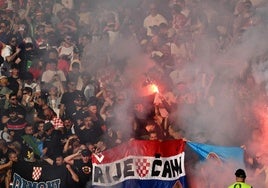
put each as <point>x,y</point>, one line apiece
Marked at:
<point>219,153</point>
<point>37,175</point>
<point>141,164</point>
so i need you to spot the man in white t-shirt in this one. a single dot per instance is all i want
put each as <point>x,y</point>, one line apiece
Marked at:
<point>52,75</point>
<point>153,19</point>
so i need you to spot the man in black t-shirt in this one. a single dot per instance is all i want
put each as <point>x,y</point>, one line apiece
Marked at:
<point>82,166</point>
<point>13,103</point>
<point>67,105</point>
<point>52,143</point>
<point>5,152</point>
<point>15,125</point>
<point>68,178</point>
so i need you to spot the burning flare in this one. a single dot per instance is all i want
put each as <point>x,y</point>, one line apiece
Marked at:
<point>154,88</point>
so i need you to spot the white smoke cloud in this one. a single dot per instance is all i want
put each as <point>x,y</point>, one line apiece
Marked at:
<point>218,123</point>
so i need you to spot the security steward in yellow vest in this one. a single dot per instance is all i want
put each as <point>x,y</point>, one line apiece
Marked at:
<point>240,176</point>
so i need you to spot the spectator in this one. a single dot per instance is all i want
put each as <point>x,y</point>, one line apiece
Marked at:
<point>165,101</point>
<point>100,146</point>
<point>153,135</point>
<point>66,24</point>
<point>51,116</point>
<point>88,131</point>
<point>40,104</point>
<point>29,82</point>
<point>245,18</point>
<point>83,167</point>
<point>185,9</point>
<point>84,42</point>
<point>22,32</point>
<point>40,19</point>
<point>72,145</point>
<point>15,81</point>
<point>110,138</point>
<point>54,98</point>
<point>52,143</point>
<point>95,116</point>
<point>28,103</point>
<point>144,132</point>
<point>68,127</point>
<point>111,27</point>
<point>39,131</point>
<point>53,75</point>
<point>10,54</point>
<point>6,168</point>
<point>69,4</point>
<point>89,86</point>
<point>260,167</point>
<point>4,93</point>
<point>78,111</point>
<point>153,19</point>
<point>27,55</point>
<point>178,19</point>
<point>41,39</point>
<point>67,47</point>
<point>15,125</point>
<point>52,54</point>
<point>64,64</point>
<point>67,106</point>
<point>85,17</point>
<point>5,150</point>
<point>31,148</point>
<point>13,103</point>
<point>75,75</point>
<point>4,31</point>
<point>65,170</point>
<point>37,69</point>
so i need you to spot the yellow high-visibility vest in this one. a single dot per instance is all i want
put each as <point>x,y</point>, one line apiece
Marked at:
<point>240,185</point>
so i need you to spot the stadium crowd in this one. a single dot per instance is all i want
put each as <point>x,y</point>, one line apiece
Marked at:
<point>77,76</point>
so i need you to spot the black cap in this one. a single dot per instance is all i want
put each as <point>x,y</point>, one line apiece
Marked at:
<point>240,173</point>
<point>85,152</point>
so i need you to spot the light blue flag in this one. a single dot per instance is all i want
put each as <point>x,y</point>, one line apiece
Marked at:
<point>222,153</point>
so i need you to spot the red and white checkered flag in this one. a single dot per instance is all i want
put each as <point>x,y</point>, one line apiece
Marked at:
<point>142,167</point>
<point>37,171</point>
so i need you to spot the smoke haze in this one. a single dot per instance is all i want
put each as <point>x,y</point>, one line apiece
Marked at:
<point>215,121</point>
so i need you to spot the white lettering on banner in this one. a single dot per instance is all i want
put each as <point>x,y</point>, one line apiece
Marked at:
<point>19,182</point>
<point>139,167</point>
